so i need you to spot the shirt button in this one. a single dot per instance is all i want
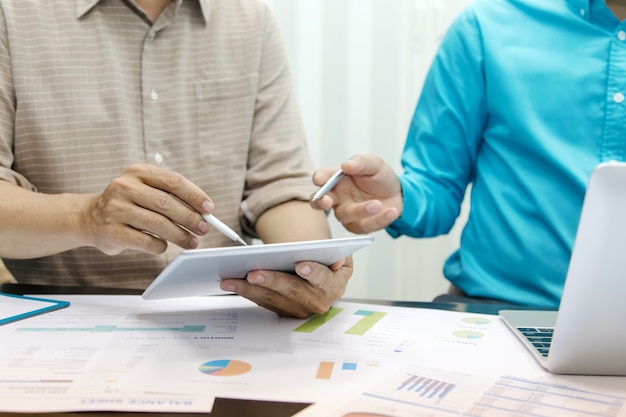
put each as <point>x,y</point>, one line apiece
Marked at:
<point>151,35</point>
<point>582,12</point>
<point>154,95</point>
<point>618,98</point>
<point>621,35</point>
<point>158,158</point>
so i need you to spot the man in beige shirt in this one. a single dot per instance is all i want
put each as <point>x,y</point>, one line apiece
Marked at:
<point>122,122</point>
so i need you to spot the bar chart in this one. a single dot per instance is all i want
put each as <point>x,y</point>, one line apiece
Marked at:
<point>367,319</point>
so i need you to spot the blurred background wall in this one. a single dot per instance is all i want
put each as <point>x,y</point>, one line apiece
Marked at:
<point>358,67</point>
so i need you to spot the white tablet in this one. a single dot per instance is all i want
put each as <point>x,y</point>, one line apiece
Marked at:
<point>198,272</point>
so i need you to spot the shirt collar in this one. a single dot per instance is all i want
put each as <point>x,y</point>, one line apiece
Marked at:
<point>84,6</point>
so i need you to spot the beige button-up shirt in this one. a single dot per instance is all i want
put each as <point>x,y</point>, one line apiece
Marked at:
<point>88,87</point>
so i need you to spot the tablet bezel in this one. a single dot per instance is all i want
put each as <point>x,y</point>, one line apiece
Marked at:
<point>198,272</point>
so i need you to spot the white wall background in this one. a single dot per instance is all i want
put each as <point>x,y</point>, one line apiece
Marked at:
<point>358,67</point>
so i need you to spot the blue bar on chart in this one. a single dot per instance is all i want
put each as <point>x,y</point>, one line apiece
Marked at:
<point>325,369</point>
<point>349,366</point>
<point>426,387</point>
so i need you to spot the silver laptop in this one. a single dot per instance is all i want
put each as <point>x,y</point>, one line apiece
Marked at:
<point>587,335</point>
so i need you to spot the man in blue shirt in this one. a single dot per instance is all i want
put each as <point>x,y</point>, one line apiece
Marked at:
<point>524,98</point>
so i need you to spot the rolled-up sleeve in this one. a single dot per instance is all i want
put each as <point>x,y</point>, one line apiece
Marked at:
<point>7,111</point>
<point>280,166</point>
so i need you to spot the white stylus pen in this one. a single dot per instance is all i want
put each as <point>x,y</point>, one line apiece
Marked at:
<point>328,185</point>
<point>225,230</point>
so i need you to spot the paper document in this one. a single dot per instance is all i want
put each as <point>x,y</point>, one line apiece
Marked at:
<point>84,358</point>
<point>426,392</point>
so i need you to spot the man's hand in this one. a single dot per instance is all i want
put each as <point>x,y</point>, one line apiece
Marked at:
<point>312,291</point>
<point>143,209</point>
<point>368,199</point>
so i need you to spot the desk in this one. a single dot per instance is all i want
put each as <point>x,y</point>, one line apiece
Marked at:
<point>224,406</point>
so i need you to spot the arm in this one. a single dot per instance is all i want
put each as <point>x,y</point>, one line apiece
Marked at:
<point>142,209</point>
<point>291,222</point>
<point>445,138</point>
<point>33,225</point>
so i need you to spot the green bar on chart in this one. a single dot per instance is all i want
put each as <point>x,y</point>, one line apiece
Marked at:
<point>370,318</point>
<point>318,321</point>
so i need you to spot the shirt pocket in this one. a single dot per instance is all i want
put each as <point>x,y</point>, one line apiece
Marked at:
<point>225,113</point>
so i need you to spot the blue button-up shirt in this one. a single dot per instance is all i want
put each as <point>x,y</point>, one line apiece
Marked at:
<point>524,98</point>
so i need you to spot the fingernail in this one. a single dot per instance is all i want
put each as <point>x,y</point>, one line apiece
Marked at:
<point>257,279</point>
<point>305,270</point>
<point>193,243</point>
<point>372,208</point>
<point>207,206</point>
<point>228,287</point>
<point>203,227</point>
<point>390,215</point>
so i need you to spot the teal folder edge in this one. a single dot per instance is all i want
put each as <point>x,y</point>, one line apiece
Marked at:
<point>50,305</point>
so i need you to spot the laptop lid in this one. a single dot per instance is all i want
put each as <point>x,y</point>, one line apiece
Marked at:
<point>590,329</point>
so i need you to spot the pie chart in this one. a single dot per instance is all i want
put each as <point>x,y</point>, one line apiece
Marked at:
<point>468,334</point>
<point>225,367</point>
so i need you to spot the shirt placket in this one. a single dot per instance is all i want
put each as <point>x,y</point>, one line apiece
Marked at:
<point>614,135</point>
<point>152,97</point>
